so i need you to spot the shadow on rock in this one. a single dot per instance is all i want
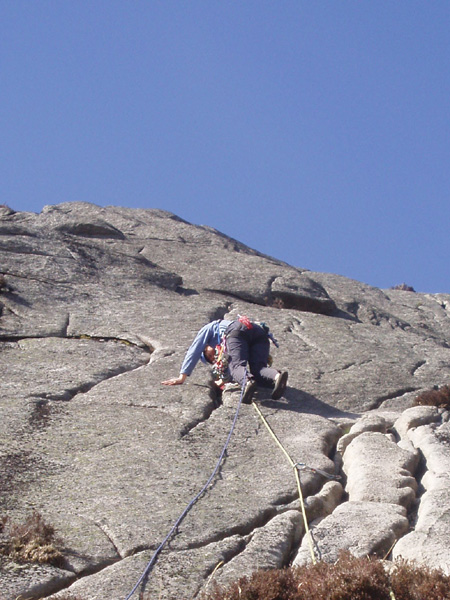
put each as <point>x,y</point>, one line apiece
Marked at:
<point>301,402</point>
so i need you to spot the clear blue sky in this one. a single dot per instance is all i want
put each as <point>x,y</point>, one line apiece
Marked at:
<point>316,131</point>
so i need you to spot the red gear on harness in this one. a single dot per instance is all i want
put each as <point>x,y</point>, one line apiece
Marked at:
<point>245,321</point>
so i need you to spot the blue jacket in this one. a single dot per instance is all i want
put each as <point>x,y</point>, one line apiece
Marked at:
<point>209,335</point>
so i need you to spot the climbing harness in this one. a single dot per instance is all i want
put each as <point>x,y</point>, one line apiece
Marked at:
<point>193,501</point>
<point>221,355</point>
<point>297,478</point>
<point>220,364</point>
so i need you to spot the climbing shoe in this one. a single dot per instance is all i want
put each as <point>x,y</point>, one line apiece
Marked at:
<point>280,385</point>
<point>249,390</point>
<point>231,387</point>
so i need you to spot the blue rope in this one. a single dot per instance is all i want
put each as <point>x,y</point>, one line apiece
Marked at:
<point>192,502</point>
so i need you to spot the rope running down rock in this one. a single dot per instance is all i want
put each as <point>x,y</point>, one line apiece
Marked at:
<point>191,504</point>
<point>294,465</point>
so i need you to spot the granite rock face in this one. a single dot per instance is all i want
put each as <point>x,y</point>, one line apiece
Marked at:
<point>98,306</point>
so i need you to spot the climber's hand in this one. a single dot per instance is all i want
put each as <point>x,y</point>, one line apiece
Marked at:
<point>175,380</point>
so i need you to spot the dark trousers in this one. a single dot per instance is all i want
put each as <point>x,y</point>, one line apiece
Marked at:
<point>249,346</point>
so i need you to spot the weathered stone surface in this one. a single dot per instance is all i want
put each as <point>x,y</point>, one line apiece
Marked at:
<point>368,422</point>
<point>177,574</point>
<point>324,502</point>
<point>363,528</point>
<point>415,417</point>
<point>97,307</point>
<point>34,581</point>
<point>428,542</point>
<point>379,471</point>
<point>268,548</point>
<point>302,293</point>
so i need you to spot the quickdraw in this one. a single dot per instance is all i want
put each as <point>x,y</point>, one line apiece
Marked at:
<point>304,467</point>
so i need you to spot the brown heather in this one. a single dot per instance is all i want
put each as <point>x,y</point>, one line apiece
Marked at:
<point>31,541</point>
<point>438,397</point>
<point>349,578</point>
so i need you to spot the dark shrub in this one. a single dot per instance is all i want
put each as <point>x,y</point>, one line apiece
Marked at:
<point>349,578</point>
<point>31,541</point>
<point>412,582</point>
<point>438,397</point>
<point>268,585</point>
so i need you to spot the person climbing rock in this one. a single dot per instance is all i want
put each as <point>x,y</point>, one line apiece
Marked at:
<point>243,342</point>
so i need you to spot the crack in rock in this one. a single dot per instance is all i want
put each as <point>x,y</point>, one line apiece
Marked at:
<point>96,458</point>
<point>189,427</point>
<point>378,402</point>
<point>70,393</point>
<point>110,540</point>
<point>418,366</point>
<point>243,531</point>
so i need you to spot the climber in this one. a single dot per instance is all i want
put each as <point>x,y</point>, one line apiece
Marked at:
<point>244,342</point>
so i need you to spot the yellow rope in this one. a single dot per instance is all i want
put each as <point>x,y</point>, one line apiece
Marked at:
<point>297,478</point>
<point>219,564</point>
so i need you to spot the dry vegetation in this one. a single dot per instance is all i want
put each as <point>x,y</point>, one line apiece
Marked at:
<point>437,397</point>
<point>349,578</point>
<point>403,287</point>
<point>32,541</point>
